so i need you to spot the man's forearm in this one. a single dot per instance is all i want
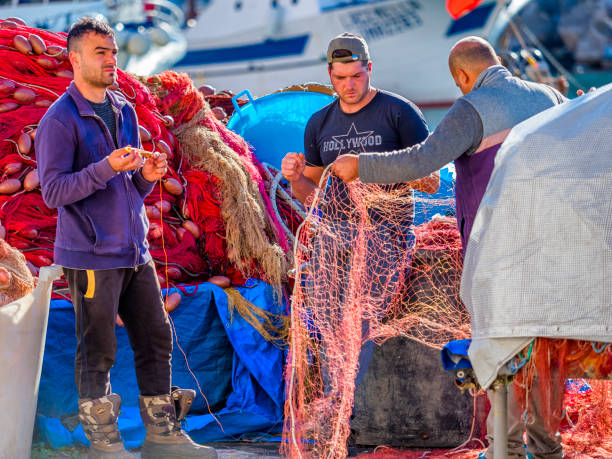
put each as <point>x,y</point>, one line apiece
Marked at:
<point>459,132</point>
<point>303,188</point>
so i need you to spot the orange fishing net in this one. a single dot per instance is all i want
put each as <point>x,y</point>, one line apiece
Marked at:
<point>361,274</point>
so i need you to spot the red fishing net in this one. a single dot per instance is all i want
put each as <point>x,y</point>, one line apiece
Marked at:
<point>188,231</point>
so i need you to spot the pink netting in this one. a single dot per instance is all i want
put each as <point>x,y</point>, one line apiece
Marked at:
<point>362,275</point>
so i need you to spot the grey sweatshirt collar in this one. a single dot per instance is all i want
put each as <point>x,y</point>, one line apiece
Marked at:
<point>490,74</point>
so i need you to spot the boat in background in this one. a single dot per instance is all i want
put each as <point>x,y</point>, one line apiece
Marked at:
<point>148,33</point>
<point>54,15</point>
<point>266,45</point>
<point>572,39</point>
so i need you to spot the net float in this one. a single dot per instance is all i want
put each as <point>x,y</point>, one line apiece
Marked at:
<point>47,62</point>
<point>37,43</point>
<point>56,51</point>
<point>8,25</point>
<point>186,212</point>
<point>17,21</point>
<point>145,135</point>
<point>207,90</point>
<point>219,113</point>
<point>220,281</point>
<point>8,106</point>
<point>153,212</point>
<point>6,86</point>
<point>193,228</point>
<point>168,121</point>
<point>173,273</point>
<point>162,281</point>
<point>24,143</point>
<point>29,233</point>
<point>43,103</point>
<point>141,152</point>
<point>163,206</point>
<point>63,73</point>
<point>12,168</point>
<point>22,44</point>
<point>173,186</point>
<point>155,231</point>
<point>31,180</point>
<point>24,95</point>
<point>164,148</point>
<point>2,232</point>
<point>10,186</point>
<point>180,233</point>
<point>172,301</point>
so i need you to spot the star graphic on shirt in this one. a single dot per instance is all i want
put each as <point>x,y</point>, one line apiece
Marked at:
<point>353,141</point>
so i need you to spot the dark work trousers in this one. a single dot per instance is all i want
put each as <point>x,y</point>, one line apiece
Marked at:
<point>133,293</point>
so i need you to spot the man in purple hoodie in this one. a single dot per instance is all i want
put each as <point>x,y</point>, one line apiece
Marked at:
<point>98,186</point>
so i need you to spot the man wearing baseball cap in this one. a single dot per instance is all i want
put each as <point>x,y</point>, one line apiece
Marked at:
<point>362,118</point>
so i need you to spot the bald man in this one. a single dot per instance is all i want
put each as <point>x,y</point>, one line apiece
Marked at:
<point>470,135</point>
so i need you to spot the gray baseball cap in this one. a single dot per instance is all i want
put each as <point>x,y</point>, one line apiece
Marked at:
<point>350,42</point>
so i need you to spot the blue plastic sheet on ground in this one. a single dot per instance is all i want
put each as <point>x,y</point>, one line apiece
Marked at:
<point>239,372</point>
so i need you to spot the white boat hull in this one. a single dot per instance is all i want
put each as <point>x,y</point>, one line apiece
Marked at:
<point>409,42</point>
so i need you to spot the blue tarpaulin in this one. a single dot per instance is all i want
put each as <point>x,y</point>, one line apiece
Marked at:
<point>455,355</point>
<point>238,371</point>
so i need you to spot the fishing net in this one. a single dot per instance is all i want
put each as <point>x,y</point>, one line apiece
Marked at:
<point>362,274</point>
<point>210,215</point>
<point>555,361</point>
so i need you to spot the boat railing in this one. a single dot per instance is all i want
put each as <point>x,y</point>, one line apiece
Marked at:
<point>165,11</point>
<point>151,11</point>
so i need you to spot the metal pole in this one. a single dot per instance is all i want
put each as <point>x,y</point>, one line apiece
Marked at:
<point>500,422</point>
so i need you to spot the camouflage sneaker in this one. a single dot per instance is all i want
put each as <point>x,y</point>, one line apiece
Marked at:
<point>165,438</point>
<point>99,420</point>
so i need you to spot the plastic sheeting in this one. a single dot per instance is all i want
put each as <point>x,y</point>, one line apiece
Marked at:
<point>539,258</point>
<point>238,371</point>
<point>23,325</point>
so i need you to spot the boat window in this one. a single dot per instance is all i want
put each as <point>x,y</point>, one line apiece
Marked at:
<point>29,2</point>
<point>5,2</point>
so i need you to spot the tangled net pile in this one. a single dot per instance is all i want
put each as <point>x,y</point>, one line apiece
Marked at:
<point>209,216</point>
<point>356,258</point>
<point>361,275</point>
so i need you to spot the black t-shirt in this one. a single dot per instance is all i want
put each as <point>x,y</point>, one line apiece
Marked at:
<point>389,122</point>
<point>105,111</point>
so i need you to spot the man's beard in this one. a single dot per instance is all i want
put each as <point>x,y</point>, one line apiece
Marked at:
<point>355,98</point>
<point>101,81</point>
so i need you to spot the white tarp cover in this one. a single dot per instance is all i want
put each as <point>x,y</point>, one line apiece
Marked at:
<point>23,328</point>
<point>539,258</point>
